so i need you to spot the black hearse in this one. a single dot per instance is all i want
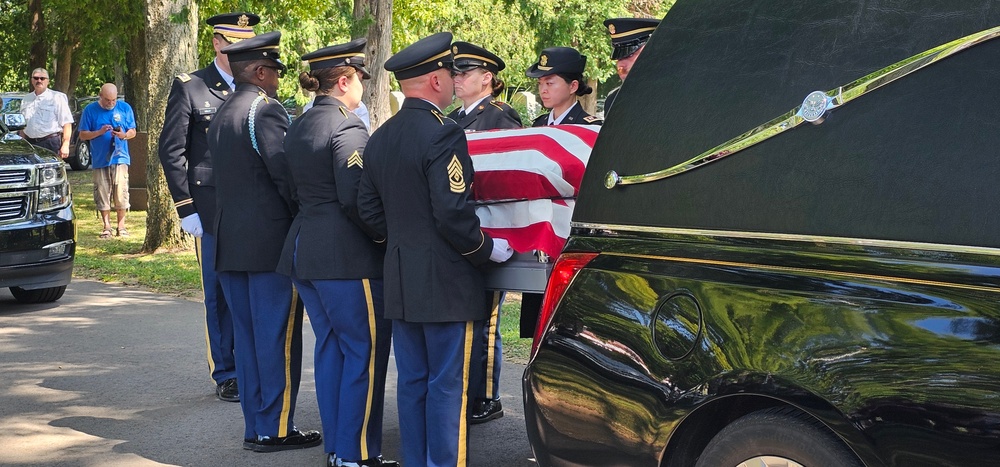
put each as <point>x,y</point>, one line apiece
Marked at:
<point>763,274</point>
<point>37,225</point>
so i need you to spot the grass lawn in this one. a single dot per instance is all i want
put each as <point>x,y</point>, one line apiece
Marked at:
<point>175,272</point>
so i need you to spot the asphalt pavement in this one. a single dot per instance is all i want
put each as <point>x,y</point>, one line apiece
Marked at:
<point>114,376</point>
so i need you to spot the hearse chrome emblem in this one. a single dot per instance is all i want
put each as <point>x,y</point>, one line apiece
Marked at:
<point>815,106</point>
<point>814,109</point>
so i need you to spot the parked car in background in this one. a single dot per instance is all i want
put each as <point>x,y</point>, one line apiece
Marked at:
<point>741,287</point>
<point>79,152</point>
<point>37,224</point>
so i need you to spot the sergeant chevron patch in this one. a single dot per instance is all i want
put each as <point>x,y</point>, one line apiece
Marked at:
<point>456,179</point>
<point>355,161</point>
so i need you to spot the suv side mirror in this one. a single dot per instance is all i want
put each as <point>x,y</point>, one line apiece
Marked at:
<point>13,122</point>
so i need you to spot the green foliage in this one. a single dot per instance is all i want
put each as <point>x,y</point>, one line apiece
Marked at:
<point>14,45</point>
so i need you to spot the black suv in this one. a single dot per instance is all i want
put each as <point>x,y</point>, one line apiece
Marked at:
<point>763,274</point>
<point>37,224</point>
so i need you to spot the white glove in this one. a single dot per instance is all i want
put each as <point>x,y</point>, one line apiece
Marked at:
<point>501,251</point>
<point>192,225</point>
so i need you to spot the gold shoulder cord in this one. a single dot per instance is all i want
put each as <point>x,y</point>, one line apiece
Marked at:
<point>814,109</point>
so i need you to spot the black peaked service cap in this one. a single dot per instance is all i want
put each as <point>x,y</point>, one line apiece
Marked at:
<point>557,60</point>
<point>234,26</point>
<point>628,34</point>
<point>422,57</point>
<point>262,47</point>
<point>349,54</point>
<point>469,57</point>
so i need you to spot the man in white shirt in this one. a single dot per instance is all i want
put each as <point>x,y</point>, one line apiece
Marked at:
<point>49,120</point>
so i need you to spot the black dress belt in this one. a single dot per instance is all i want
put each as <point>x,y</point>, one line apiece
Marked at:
<point>43,138</point>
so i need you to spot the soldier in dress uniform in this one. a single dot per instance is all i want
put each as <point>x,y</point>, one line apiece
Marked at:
<point>335,259</point>
<point>254,209</point>
<point>415,190</point>
<point>193,101</point>
<point>478,86</point>
<point>560,80</point>
<point>628,37</point>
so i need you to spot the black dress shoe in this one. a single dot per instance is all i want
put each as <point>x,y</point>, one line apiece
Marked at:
<point>486,410</point>
<point>331,460</point>
<point>248,443</point>
<point>373,462</point>
<point>295,440</point>
<point>228,391</point>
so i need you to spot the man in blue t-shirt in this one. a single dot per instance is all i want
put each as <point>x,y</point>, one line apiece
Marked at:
<point>108,125</point>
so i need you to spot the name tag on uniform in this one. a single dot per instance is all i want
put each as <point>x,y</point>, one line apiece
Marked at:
<point>206,111</point>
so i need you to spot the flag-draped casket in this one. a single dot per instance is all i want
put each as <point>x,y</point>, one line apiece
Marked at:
<point>526,182</point>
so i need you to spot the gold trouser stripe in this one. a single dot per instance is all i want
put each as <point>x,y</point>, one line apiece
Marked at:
<point>490,348</point>
<point>371,368</point>
<point>201,277</point>
<point>463,426</point>
<point>850,275</point>
<point>286,402</point>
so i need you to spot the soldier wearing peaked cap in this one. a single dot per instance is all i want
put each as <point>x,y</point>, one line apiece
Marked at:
<point>560,80</point>
<point>254,208</point>
<point>628,37</point>
<point>193,101</point>
<point>478,86</point>
<point>335,259</point>
<point>415,190</point>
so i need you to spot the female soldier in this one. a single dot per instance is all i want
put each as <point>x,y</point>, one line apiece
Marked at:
<point>477,84</point>
<point>334,259</point>
<point>560,80</point>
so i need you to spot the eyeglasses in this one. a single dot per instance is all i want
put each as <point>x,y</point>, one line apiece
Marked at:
<point>40,78</point>
<point>278,69</point>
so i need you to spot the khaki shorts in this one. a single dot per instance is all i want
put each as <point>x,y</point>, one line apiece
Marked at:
<point>111,187</point>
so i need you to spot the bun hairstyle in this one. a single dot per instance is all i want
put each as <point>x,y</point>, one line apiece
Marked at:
<point>583,88</point>
<point>321,81</point>
<point>498,86</point>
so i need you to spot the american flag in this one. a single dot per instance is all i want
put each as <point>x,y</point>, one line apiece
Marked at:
<point>526,181</point>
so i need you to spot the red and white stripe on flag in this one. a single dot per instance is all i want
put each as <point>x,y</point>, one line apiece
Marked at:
<point>523,179</point>
<point>530,163</point>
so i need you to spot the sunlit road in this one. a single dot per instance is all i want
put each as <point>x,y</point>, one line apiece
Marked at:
<point>114,376</point>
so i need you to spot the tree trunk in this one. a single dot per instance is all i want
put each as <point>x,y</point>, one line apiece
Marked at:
<point>74,75</point>
<point>38,55</point>
<point>378,15</point>
<point>589,102</point>
<point>60,80</point>
<point>165,49</point>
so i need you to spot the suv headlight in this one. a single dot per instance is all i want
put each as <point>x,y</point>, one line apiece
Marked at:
<point>54,192</point>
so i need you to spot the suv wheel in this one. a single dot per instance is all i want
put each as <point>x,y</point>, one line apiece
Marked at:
<point>80,160</point>
<point>773,437</point>
<point>50,294</point>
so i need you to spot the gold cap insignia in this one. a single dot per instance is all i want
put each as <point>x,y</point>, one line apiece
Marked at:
<point>456,179</point>
<point>611,28</point>
<point>454,49</point>
<point>243,21</point>
<point>355,161</point>
<point>543,60</point>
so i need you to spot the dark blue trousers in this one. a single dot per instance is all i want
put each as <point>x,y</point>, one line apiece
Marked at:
<point>432,361</point>
<point>352,354</point>
<point>267,320</point>
<point>487,352</point>
<point>218,319</point>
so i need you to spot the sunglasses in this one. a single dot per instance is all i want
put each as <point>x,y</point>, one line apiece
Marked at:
<point>278,69</point>
<point>40,78</point>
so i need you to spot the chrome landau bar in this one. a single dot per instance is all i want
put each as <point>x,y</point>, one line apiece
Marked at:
<point>813,109</point>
